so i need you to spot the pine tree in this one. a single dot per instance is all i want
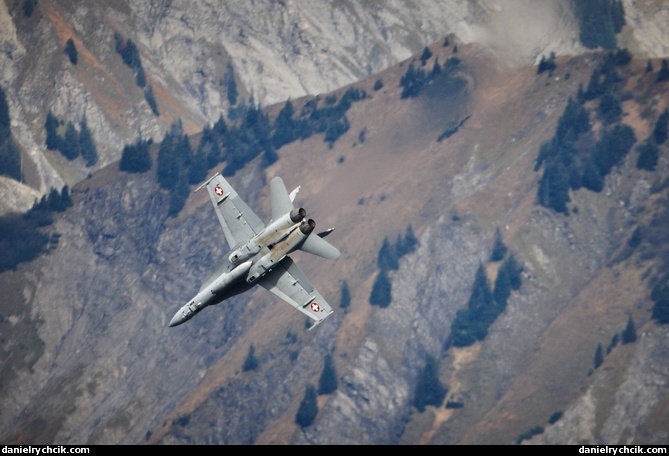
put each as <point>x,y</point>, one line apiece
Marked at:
<point>231,85</point>
<point>502,289</point>
<point>251,362</point>
<point>481,303</point>
<point>306,413</point>
<point>663,74</point>
<point>327,382</point>
<point>498,247</point>
<point>381,294</point>
<point>70,144</point>
<point>425,56</point>
<point>554,186</point>
<point>71,51</point>
<point>610,109</point>
<point>660,132</point>
<point>599,356</point>
<point>135,158</point>
<point>513,272</point>
<point>387,258</point>
<point>345,301</point>
<point>86,145</point>
<point>429,389</point>
<point>53,141</point>
<point>629,333</point>
<point>29,7</point>
<point>168,166</point>
<point>10,155</point>
<point>660,296</point>
<point>151,100</point>
<point>178,195</point>
<point>649,154</point>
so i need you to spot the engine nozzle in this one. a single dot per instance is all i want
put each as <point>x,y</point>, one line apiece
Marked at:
<point>307,227</point>
<point>298,214</point>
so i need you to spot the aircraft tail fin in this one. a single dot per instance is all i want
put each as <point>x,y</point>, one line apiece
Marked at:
<point>316,245</point>
<point>281,201</point>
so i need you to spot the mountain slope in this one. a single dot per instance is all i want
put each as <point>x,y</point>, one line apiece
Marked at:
<point>88,357</point>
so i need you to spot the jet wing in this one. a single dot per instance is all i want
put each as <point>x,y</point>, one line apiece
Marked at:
<point>239,222</point>
<point>289,283</point>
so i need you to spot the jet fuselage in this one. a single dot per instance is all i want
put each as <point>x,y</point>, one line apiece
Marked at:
<point>262,253</point>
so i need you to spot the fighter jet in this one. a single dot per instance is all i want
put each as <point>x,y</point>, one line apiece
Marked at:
<point>260,252</point>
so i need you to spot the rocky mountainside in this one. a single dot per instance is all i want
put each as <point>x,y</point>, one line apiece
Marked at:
<point>86,352</point>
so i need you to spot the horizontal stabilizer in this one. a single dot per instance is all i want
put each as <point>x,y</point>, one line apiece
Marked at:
<point>318,246</point>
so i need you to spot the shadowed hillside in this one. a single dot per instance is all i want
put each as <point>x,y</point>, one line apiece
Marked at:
<point>440,177</point>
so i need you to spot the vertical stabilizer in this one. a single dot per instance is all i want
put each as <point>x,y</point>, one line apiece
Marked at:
<point>281,203</point>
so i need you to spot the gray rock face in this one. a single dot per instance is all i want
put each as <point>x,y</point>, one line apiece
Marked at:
<point>110,371</point>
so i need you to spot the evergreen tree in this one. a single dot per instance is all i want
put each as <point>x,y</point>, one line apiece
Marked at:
<point>178,195</point>
<point>306,413</point>
<point>649,66</point>
<point>481,303</point>
<point>554,187</point>
<point>513,271</point>
<point>425,56</point>
<point>663,74</point>
<point>660,297</point>
<point>629,333</point>
<point>635,239</point>
<point>462,329</point>
<point>140,79</point>
<point>86,145</point>
<point>381,294</point>
<point>610,109</point>
<point>412,82</point>
<point>498,247</point>
<point>612,148</point>
<point>197,171</point>
<point>135,158</point>
<point>251,362</point>
<point>10,155</point>
<point>29,7</point>
<point>436,69</point>
<point>592,179</point>
<point>71,51</point>
<point>53,141</point>
<point>70,144</point>
<point>327,382</point>
<point>345,301</point>
<point>547,64</point>
<point>151,100</point>
<point>284,126</point>
<point>502,289</point>
<point>660,132</point>
<point>387,258</point>
<point>649,154</point>
<point>168,166</point>
<point>429,389</point>
<point>231,85</point>
<point>599,356</point>
<point>130,55</point>
<point>599,22</point>
<point>408,244</point>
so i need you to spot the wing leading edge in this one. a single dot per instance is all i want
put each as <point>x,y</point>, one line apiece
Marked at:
<point>289,283</point>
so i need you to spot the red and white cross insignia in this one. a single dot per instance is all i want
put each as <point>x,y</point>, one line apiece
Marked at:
<point>315,307</point>
<point>218,190</point>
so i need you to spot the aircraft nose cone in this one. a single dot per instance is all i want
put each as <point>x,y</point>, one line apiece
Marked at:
<point>177,319</point>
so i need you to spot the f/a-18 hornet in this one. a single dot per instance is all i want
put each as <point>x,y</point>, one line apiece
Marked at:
<point>260,253</point>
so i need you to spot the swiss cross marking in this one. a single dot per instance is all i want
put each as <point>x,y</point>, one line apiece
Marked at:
<point>218,190</point>
<point>315,307</point>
